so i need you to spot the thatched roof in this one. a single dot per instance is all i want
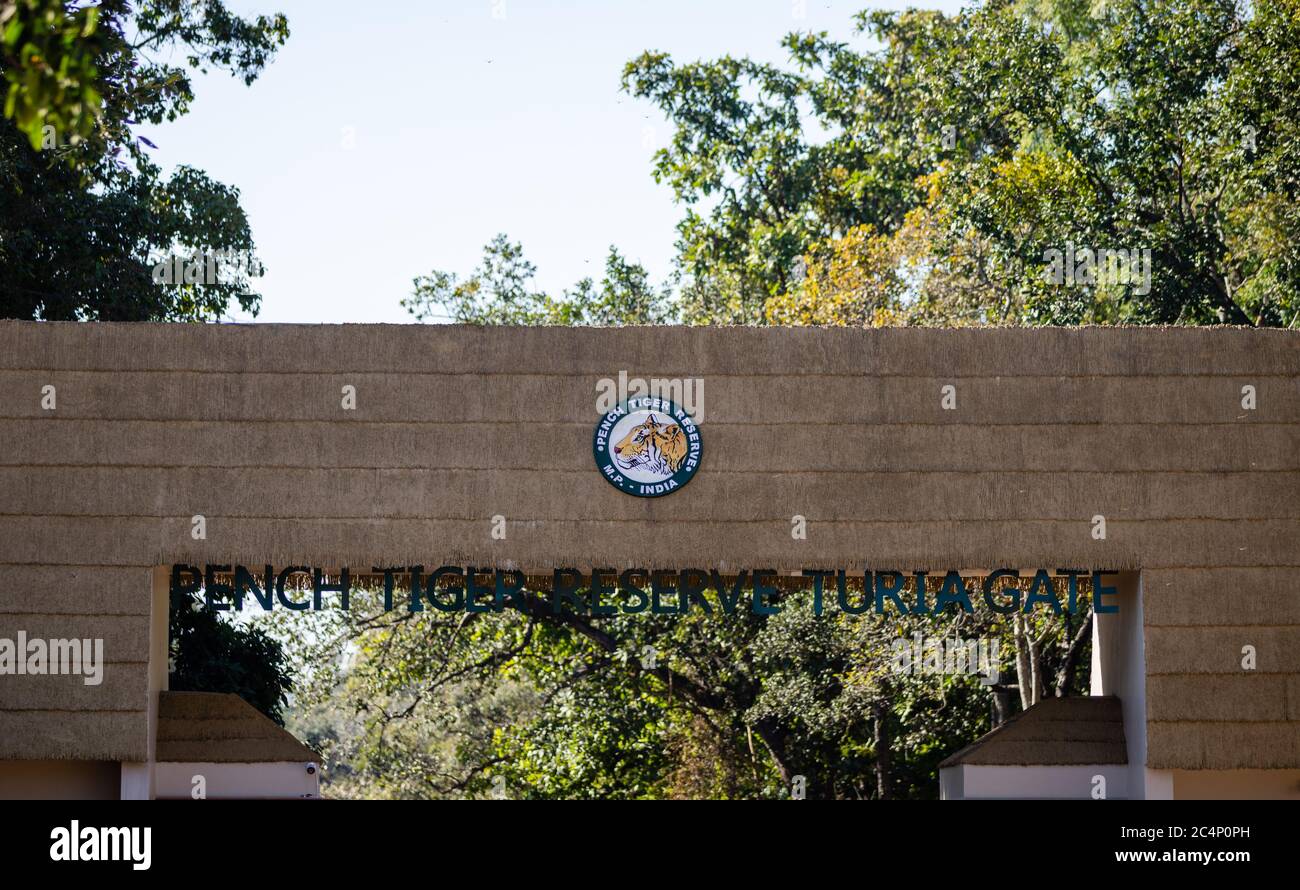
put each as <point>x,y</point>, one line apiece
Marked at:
<point>215,727</point>
<point>1055,732</point>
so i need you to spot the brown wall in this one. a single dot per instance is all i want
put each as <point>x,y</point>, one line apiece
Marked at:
<point>1237,784</point>
<point>454,425</point>
<point>59,780</point>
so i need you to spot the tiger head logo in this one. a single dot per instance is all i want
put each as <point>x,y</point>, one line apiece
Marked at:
<point>652,446</point>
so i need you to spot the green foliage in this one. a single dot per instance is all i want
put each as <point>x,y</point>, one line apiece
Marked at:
<point>91,71</point>
<point>85,214</point>
<point>69,252</point>
<point>209,654</point>
<point>738,146</point>
<point>500,291</point>
<point>594,738</point>
<point>526,703</point>
<point>48,52</point>
<point>1006,131</point>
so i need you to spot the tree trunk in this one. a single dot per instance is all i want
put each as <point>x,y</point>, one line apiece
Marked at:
<point>884,743</point>
<point>772,736</point>
<point>1074,647</point>
<point>1035,656</point>
<point>1024,677</point>
<point>1001,705</point>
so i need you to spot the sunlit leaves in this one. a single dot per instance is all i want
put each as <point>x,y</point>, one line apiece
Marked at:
<point>1005,130</point>
<point>501,291</point>
<point>48,59</point>
<point>85,214</point>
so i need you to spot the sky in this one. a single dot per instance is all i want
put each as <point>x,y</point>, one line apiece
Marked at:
<point>393,137</point>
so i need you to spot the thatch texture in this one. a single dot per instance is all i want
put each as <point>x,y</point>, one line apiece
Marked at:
<point>211,727</point>
<point>455,425</point>
<point>1054,732</point>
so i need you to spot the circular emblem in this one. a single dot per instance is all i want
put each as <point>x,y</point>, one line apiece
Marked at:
<point>648,447</point>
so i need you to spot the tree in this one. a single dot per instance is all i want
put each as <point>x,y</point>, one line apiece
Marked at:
<point>85,215</point>
<point>528,702</point>
<point>208,654</point>
<point>749,143</point>
<point>1129,136</point>
<point>500,291</point>
<point>47,54</point>
<point>984,144</point>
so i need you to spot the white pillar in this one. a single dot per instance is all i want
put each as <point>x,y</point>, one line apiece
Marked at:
<point>138,778</point>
